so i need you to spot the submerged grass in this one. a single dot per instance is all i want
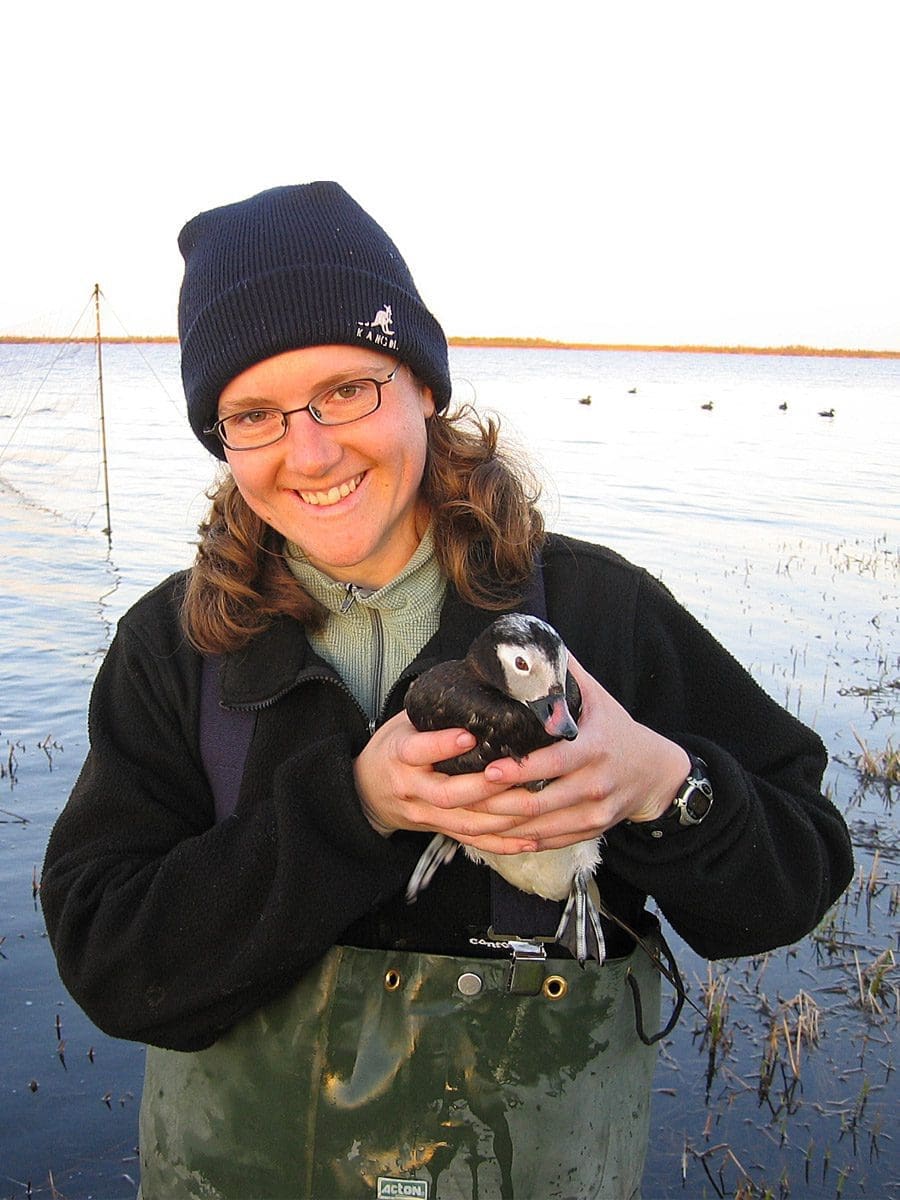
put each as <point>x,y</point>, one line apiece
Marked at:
<point>880,766</point>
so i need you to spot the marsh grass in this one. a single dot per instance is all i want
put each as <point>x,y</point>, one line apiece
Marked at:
<point>10,764</point>
<point>878,986</point>
<point>880,766</point>
<point>9,771</point>
<point>793,1024</point>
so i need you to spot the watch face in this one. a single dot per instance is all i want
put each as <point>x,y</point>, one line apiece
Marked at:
<point>695,800</point>
<point>698,801</point>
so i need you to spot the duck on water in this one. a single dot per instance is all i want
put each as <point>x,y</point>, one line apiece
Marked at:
<point>514,692</point>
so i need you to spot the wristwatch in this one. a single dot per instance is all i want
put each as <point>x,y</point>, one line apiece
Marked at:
<point>692,802</point>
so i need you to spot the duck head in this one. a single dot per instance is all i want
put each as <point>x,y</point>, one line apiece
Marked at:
<point>526,659</point>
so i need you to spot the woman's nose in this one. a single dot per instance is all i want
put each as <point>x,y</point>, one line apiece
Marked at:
<point>310,448</point>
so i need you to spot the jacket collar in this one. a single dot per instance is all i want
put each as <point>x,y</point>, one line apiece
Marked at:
<point>281,657</point>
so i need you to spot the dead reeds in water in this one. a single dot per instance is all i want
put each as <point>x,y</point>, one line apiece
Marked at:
<point>879,766</point>
<point>794,1023</point>
<point>875,986</point>
<point>717,1032</point>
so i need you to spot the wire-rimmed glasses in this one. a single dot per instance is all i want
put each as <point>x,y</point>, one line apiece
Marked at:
<point>337,405</point>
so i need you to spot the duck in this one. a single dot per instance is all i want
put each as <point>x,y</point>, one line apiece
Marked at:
<point>827,412</point>
<point>585,400</point>
<point>632,391</point>
<point>783,406</point>
<point>708,406</point>
<point>514,692</point>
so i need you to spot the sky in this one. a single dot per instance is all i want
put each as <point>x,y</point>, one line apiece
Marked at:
<point>629,172</point>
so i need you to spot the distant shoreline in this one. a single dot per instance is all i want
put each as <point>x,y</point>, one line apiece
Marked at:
<point>511,343</point>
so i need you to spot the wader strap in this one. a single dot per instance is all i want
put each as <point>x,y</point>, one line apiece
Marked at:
<point>225,736</point>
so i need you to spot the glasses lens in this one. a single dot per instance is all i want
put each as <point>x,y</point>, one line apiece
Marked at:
<point>346,403</point>
<point>255,428</point>
<point>338,406</point>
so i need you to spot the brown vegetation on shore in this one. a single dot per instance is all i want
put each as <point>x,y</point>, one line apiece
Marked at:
<point>544,344</point>
<point>12,339</point>
<point>512,343</point>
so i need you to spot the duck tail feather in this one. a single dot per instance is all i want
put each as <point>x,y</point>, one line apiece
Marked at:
<point>439,851</point>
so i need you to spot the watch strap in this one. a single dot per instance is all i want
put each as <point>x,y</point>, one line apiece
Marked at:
<point>691,805</point>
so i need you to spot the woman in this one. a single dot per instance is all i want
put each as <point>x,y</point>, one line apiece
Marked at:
<point>227,880</point>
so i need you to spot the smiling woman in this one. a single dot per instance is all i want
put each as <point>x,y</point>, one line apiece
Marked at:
<point>228,880</point>
<point>347,492</point>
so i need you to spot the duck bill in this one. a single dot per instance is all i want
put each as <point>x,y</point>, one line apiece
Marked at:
<point>553,713</point>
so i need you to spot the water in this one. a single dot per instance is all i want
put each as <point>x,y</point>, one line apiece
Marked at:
<point>777,527</point>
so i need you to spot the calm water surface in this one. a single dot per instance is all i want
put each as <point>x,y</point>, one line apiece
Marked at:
<point>778,527</point>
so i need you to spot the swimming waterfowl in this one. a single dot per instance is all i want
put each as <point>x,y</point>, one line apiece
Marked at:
<point>514,692</point>
<point>827,412</point>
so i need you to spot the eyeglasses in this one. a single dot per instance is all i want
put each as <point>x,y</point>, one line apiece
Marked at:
<point>258,427</point>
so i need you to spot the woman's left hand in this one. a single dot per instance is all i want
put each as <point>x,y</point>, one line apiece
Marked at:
<point>615,770</point>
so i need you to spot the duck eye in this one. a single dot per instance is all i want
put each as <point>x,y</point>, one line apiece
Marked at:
<point>521,663</point>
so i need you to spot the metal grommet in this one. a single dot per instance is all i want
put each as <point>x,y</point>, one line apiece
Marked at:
<point>392,980</point>
<point>469,983</point>
<point>555,987</point>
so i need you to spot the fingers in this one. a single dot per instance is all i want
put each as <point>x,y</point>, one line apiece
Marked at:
<point>549,763</point>
<point>424,749</point>
<point>399,788</point>
<point>556,816</point>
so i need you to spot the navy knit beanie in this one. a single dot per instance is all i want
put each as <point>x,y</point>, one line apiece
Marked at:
<point>293,267</point>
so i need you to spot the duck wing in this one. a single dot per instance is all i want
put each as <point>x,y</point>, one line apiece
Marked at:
<point>449,695</point>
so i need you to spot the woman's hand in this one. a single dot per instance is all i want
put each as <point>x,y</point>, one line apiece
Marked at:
<point>615,770</point>
<point>399,789</point>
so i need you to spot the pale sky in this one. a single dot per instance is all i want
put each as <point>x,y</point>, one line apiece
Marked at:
<point>720,172</point>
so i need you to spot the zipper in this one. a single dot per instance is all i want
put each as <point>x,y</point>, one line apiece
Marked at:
<point>379,699</point>
<point>335,681</point>
<point>378,678</point>
<point>353,594</point>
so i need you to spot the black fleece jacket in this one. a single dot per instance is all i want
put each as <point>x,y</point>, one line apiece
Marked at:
<point>169,928</point>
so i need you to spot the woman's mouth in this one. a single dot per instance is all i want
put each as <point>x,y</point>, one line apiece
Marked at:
<point>333,495</point>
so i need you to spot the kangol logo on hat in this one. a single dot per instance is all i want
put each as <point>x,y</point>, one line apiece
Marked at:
<point>384,321</point>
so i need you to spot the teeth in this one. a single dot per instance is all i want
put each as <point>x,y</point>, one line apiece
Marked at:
<point>333,494</point>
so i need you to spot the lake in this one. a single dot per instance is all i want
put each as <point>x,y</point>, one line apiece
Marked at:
<point>778,527</point>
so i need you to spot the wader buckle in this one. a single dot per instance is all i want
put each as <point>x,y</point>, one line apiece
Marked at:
<point>526,970</point>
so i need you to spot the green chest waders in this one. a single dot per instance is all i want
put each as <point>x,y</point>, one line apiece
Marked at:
<point>392,1074</point>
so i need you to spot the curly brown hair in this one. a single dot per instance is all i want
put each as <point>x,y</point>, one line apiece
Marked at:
<point>486,525</point>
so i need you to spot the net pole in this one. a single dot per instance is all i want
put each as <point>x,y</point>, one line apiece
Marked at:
<point>108,529</point>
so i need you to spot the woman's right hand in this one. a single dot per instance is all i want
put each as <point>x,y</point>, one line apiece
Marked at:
<point>400,789</point>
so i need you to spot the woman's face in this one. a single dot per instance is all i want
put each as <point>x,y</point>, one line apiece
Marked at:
<point>347,495</point>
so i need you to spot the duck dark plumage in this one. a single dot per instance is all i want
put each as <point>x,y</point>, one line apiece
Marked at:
<point>514,692</point>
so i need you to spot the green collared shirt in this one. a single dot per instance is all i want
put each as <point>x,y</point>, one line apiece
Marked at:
<point>370,636</point>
